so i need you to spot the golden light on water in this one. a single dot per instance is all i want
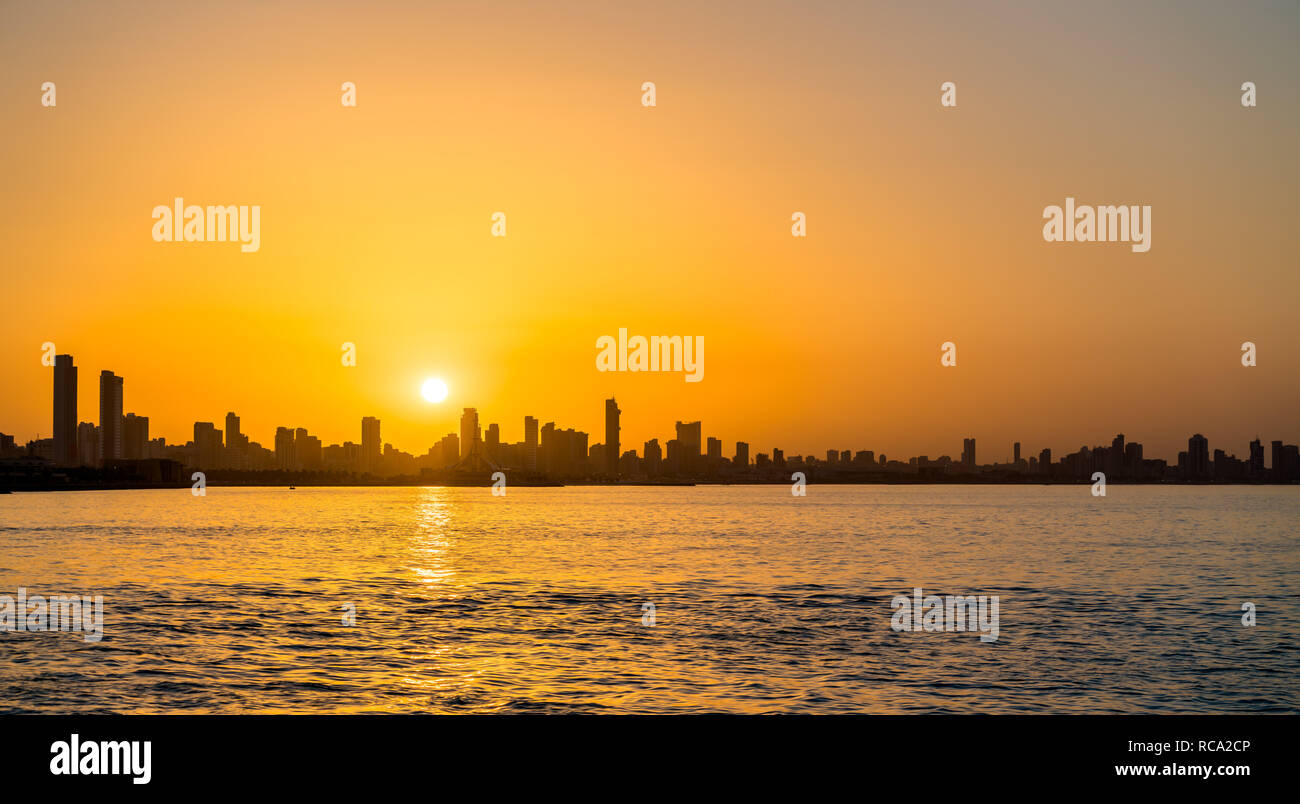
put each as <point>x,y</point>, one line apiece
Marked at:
<point>431,544</point>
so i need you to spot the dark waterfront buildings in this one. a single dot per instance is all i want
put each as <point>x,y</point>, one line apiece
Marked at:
<point>554,454</point>
<point>110,416</point>
<point>65,411</point>
<point>611,437</point>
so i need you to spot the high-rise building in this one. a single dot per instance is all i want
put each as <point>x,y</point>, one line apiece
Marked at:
<point>88,444</point>
<point>307,450</point>
<point>742,455</point>
<point>65,410</point>
<point>450,449</point>
<point>653,457</point>
<point>370,445</point>
<point>968,453</point>
<point>236,453</point>
<point>1015,448</point>
<point>530,444</point>
<point>714,449</point>
<point>110,416</point>
<point>207,445</point>
<point>469,432</point>
<point>546,449</point>
<point>492,441</point>
<point>611,437</point>
<point>232,428</point>
<point>1133,461</point>
<point>284,448</point>
<point>1257,459</point>
<point>672,463</point>
<point>1198,456</point>
<point>1278,461</point>
<point>688,435</point>
<point>135,437</point>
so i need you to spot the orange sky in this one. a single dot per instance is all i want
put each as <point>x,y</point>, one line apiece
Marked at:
<point>924,223</point>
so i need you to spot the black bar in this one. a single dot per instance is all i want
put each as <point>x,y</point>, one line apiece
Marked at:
<point>820,754</point>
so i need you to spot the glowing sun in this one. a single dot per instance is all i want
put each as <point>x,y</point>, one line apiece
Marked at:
<point>434,389</point>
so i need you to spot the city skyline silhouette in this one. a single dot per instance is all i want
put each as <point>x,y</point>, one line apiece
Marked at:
<point>566,453</point>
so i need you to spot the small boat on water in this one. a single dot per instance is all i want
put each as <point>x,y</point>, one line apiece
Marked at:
<point>291,487</point>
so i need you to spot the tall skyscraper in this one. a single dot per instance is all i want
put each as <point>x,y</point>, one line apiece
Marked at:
<point>65,410</point>
<point>742,455</point>
<point>1198,456</point>
<point>370,445</point>
<point>611,437</point>
<point>688,435</point>
<point>233,435</point>
<point>469,433</point>
<point>235,456</point>
<point>1016,450</point>
<point>1257,459</point>
<point>968,453</point>
<point>530,444</point>
<point>110,416</point>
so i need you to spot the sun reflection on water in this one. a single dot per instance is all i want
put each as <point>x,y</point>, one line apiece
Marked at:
<point>431,542</point>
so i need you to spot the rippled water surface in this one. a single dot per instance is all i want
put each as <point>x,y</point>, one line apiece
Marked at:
<point>533,602</point>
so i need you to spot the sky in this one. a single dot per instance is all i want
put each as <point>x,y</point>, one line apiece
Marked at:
<point>924,223</point>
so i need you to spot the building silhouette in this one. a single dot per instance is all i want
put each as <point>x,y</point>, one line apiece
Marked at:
<point>110,417</point>
<point>469,432</point>
<point>88,444</point>
<point>135,437</point>
<point>284,448</point>
<point>1198,457</point>
<point>564,454</point>
<point>370,445</point>
<point>207,445</point>
<point>611,437</point>
<point>65,410</point>
<point>307,450</point>
<point>1256,459</point>
<point>236,453</point>
<point>688,435</point>
<point>654,456</point>
<point>530,444</point>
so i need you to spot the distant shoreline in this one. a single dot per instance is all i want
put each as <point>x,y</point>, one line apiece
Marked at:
<point>442,483</point>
